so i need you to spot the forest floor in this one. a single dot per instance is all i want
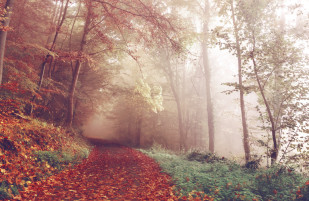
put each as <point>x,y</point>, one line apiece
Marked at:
<point>111,172</point>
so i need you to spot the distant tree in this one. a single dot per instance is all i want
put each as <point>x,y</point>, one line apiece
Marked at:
<point>233,42</point>
<point>89,14</point>
<point>5,17</point>
<point>135,108</point>
<point>49,56</point>
<point>172,75</point>
<point>31,21</point>
<point>207,71</point>
<point>146,20</point>
<point>145,99</point>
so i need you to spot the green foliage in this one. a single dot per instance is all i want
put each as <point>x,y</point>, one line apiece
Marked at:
<point>53,158</point>
<point>6,190</point>
<point>303,192</point>
<point>58,159</point>
<point>14,189</point>
<point>4,194</point>
<point>84,153</point>
<point>270,54</point>
<point>277,183</point>
<point>227,180</point>
<point>147,98</point>
<point>254,163</point>
<point>203,157</point>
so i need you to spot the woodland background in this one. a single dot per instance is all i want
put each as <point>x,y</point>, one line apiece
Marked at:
<point>226,76</point>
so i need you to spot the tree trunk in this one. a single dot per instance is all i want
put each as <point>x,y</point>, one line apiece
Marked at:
<point>76,72</point>
<point>274,152</point>
<point>17,27</point>
<point>207,71</point>
<point>182,139</point>
<point>71,94</point>
<point>72,28</point>
<point>53,23</point>
<point>6,22</point>
<point>241,89</point>
<point>50,68</point>
<point>129,127</point>
<point>60,25</point>
<point>138,132</point>
<point>47,57</point>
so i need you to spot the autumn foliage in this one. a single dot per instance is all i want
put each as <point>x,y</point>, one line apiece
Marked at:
<point>110,172</point>
<point>20,139</point>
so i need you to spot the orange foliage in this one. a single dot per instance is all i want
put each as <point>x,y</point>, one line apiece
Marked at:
<point>19,138</point>
<point>112,172</point>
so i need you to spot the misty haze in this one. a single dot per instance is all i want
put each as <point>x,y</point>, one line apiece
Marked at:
<point>154,100</point>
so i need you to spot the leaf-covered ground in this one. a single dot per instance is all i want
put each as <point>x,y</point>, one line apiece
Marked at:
<point>32,150</point>
<point>111,172</point>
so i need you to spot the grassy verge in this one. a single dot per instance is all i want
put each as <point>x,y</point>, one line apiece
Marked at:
<point>198,174</point>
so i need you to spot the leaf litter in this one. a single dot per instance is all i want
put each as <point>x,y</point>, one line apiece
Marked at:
<point>111,172</point>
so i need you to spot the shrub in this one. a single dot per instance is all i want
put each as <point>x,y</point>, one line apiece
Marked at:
<point>58,159</point>
<point>223,180</point>
<point>253,164</point>
<point>4,194</point>
<point>204,157</point>
<point>14,189</point>
<point>84,153</point>
<point>66,158</point>
<point>52,158</point>
<point>302,194</point>
<point>276,183</point>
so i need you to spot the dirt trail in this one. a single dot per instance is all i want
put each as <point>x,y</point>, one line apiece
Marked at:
<point>111,172</point>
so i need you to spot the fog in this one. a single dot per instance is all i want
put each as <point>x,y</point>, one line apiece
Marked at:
<point>131,116</point>
<point>228,139</point>
<point>99,127</point>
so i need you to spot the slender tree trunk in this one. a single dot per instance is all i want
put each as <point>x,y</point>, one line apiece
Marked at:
<point>76,71</point>
<point>55,22</point>
<point>241,89</point>
<point>19,21</point>
<point>277,98</point>
<point>72,28</point>
<point>60,25</point>
<point>184,110</point>
<point>3,34</point>
<point>138,132</point>
<point>129,128</point>
<point>207,71</point>
<point>47,57</point>
<point>70,41</point>
<point>50,68</point>
<point>183,144</point>
<point>182,139</point>
<point>274,152</point>
<point>71,93</point>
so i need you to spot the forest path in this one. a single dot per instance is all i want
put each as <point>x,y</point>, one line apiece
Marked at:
<point>111,172</point>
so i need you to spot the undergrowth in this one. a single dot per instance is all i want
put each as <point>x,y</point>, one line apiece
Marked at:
<point>32,150</point>
<point>197,174</point>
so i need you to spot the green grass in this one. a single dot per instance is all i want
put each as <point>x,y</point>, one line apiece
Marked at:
<point>58,159</point>
<point>226,180</point>
<point>6,190</point>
